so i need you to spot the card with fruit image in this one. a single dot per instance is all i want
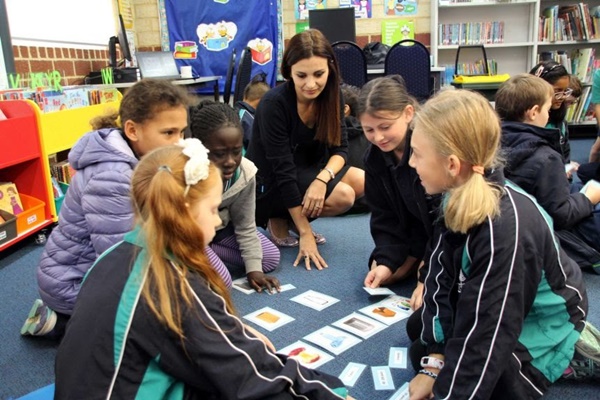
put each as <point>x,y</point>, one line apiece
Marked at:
<point>307,355</point>
<point>268,318</point>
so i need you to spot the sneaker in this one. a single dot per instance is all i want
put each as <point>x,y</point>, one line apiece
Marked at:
<point>40,321</point>
<point>582,368</point>
<point>588,344</point>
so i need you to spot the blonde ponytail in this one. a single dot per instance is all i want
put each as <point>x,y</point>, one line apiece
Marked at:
<point>462,123</point>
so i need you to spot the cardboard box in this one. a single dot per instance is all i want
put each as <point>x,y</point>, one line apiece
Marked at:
<point>10,201</point>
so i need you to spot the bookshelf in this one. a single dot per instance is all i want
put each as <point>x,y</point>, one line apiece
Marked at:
<point>521,43</point>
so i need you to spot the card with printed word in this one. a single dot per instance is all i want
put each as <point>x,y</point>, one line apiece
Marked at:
<point>382,378</point>
<point>398,356</point>
<point>401,394</point>
<point>351,373</point>
<point>380,291</point>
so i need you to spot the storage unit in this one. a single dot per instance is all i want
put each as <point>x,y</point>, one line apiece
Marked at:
<point>60,130</point>
<point>522,42</point>
<point>21,162</point>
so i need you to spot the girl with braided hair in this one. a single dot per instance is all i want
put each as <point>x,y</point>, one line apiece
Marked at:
<point>237,240</point>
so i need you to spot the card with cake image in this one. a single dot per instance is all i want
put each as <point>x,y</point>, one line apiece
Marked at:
<point>332,339</point>
<point>268,318</point>
<point>383,312</point>
<point>307,355</point>
<point>360,325</point>
<point>316,300</point>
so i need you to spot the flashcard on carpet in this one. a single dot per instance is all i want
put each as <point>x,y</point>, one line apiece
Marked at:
<point>242,285</point>
<point>380,291</point>
<point>307,355</point>
<point>401,394</point>
<point>333,340</point>
<point>398,356</point>
<point>397,303</point>
<point>269,318</point>
<point>382,313</point>
<point>351,373</point>
<point>382,378</point>
<point>360,325</point>
<point>286,287</point>
<point>315,300</point>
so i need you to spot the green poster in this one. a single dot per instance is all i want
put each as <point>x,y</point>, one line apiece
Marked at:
<point>396,30</point>
<point>301,26</point>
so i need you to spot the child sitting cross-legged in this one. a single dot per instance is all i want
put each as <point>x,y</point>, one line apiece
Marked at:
<point>237,241</point>
<point>534,162</point>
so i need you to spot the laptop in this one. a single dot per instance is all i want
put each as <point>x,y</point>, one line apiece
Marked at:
<point>158,64</point>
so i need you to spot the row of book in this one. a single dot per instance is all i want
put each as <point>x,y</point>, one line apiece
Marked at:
<point>468,33</point>
<point>62,171</point>
<point>583,110</point>
<point>473,68</point>
<point>446,2</point>
<point>70,97</point>
<point>579,62</point>
<point>570,22</point>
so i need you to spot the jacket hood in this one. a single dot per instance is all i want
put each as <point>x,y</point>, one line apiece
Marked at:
<point>104,145</point>
<point>521,140</point>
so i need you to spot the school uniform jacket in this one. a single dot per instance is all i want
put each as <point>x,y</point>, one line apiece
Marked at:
<point>115,348</point>
<point>402,215</point>
<point>503,303</point>
<point>534,162</point>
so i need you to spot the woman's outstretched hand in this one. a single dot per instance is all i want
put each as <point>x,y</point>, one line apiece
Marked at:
<point>309,253</point>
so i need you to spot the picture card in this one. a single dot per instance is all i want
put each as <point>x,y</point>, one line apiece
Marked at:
<point>286,287</point>
<point>268,318</point>
<point>315,300</point>
<point>397,303</point>
<point>382,312</point>
<point>382,378</point>
<point>402,393</point>
<point>351,373</point>
<point>242,285</point>
<point>307,355</point>
<point>380,291</point>
<point>332,339</point>
<point>398,356</point>
<point>360,325</point>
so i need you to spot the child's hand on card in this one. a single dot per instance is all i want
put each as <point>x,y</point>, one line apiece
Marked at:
<point>571,167</point>
<point>592,191</point>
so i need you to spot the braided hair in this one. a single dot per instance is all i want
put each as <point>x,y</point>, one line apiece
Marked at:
<point>208,117</point>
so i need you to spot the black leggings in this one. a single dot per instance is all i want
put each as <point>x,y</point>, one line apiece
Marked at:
<point>417,350</point>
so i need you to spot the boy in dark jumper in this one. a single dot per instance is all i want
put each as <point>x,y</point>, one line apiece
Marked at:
<point>253,92</point>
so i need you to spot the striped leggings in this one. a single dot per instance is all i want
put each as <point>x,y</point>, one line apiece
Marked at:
<point>228,251</point>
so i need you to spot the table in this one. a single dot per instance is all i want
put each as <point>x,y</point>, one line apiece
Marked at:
<point>190,84</point>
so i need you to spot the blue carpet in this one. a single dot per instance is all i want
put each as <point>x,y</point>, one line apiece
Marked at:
<point>27,364</point>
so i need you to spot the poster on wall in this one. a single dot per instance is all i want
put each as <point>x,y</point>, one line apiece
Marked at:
<point>362,8</point>
<point>302,7</point>
<point>204,35</point>
<point>400,7</point>
<point>395,30</point>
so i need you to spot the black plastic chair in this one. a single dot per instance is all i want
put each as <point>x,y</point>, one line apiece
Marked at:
<point>410,59</point>
<point>352,62</point>
<point>229,78</point>
<point>244,72</point>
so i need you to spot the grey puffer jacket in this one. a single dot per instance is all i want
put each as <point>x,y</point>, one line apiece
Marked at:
<point>95,215</point>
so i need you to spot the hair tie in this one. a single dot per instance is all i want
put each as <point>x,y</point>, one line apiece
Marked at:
<point>165,168</point>
<point>196,168</point>
<point>478,169</point>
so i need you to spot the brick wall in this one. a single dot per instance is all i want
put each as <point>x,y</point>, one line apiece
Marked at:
<point>73,64</point>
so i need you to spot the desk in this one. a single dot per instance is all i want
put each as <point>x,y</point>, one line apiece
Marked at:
<point>436,74</point>
<point>191,84</point>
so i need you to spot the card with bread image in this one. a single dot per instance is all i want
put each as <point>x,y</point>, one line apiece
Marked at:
<point>383,312</point>
<point>360,325</point>
<point>307,355</point>
<point>268,318</point>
